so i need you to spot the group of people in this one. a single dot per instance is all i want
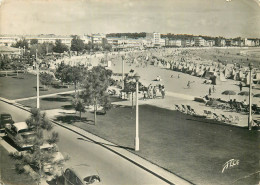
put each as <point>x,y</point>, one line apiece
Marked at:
<point>152,91</point>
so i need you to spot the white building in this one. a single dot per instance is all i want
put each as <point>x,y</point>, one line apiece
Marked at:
<point>97,38</point>
<point>50,39</point>
<point>154,38</point>
<point>199,41</point>
<point>8,40</point>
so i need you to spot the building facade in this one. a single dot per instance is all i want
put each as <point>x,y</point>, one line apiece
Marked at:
<point>154,37</point>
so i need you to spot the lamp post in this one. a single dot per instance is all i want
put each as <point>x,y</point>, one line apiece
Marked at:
<point>137,77</point>
<point>250,97</point>
<point>123,69</point>
<point>38,83</point>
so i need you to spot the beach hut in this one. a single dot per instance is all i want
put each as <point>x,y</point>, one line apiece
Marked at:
<point>208,74</point>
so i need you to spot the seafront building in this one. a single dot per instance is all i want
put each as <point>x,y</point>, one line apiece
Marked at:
<point>154,39</point>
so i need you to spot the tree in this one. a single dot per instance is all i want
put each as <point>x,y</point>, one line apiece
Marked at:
<point>78,104</point>
<point>130,87</point>
<point>33,41</point>
<point>95,87</point>
<point>46,79</point>
<point>59,47</point>
<point>36,158</point>
<point>17,65</point>
<point>70,74</point>
<point>77,44</point>
<point>21,44</point>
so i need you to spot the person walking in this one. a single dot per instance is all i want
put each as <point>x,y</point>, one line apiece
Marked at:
<point>188,84</point>
<point>240,86</point>
<point>213,89</point>
<point>163,92</point>
<point>154,92</point>
<point>209,91</point>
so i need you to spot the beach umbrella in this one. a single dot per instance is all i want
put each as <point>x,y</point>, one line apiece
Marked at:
<point>229,92</point>
<point>244,93</point>
<point>257,95</point>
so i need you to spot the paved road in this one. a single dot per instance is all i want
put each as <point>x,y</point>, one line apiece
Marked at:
<point>112,168</point>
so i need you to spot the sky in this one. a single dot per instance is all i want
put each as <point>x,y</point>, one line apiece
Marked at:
<point>66,17</point>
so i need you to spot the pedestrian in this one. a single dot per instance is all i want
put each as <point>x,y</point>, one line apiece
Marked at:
<point>145,95</point>
<point>188,84</point>
<point>154,92</point>
<point>163,92</point>
<point>209,91</point>
<point>178,75</point>
<point>240,86</point>
<point>213,89</point>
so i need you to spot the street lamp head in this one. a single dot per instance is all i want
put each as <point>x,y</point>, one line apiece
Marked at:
<point>137,77</point>
<point>250,65</point>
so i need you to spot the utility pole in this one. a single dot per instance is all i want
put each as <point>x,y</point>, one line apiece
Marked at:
<point>38,81</point>
<point>250,97</point>
<point>137,77</point>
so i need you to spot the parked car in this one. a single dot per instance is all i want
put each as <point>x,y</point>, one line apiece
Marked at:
<point>5,119</point>
<point>20,134</point>
<point>80,175</point>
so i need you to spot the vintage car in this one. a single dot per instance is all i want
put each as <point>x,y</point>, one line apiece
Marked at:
<point>20,134</point>
<point>5,119</point>
<point>80,175</point>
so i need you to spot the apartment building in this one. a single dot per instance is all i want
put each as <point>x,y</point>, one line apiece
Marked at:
<point>199,41</point>
<point>8,40</point>
<point>50,38</point>
<point>154,37</point>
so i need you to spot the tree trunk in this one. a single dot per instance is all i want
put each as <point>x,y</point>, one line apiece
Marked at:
<point>16,72</point>
<point>132,100</point>
<point>80,115</point>
<point>95,111</point>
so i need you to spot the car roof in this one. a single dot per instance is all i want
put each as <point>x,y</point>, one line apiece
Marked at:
<point>47,145</point>
<point>20,126</point>
<point>83,171</point>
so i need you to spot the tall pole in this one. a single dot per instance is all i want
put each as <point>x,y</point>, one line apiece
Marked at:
<point>123,71</point>
<point>137,120</point>
<point>250,97</point>
<point>38,83</point>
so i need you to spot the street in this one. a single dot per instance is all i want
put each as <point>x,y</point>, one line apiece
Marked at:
<point>112,168</point>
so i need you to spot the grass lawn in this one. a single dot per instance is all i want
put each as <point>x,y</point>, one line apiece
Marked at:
<point>23,86</point>
<point>8,173</point>
<point>194,149</point>
<point>56,102</point>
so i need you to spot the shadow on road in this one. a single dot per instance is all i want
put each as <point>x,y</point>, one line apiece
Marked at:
<point>118,146</point>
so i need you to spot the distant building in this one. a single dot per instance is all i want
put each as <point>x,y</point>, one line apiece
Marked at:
<point>8,40</point>
<point>97,38</point>
<point>86,38</point>
<point>220,42</point>
<point>199,41</point>
<point>154,38</point>
<point>124,43</point>
<point>49,39</point>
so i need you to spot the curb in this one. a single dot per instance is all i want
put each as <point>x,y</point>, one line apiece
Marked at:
<point>110,149</point>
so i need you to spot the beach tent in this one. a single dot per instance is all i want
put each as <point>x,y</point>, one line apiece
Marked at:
<point>208,74</point>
